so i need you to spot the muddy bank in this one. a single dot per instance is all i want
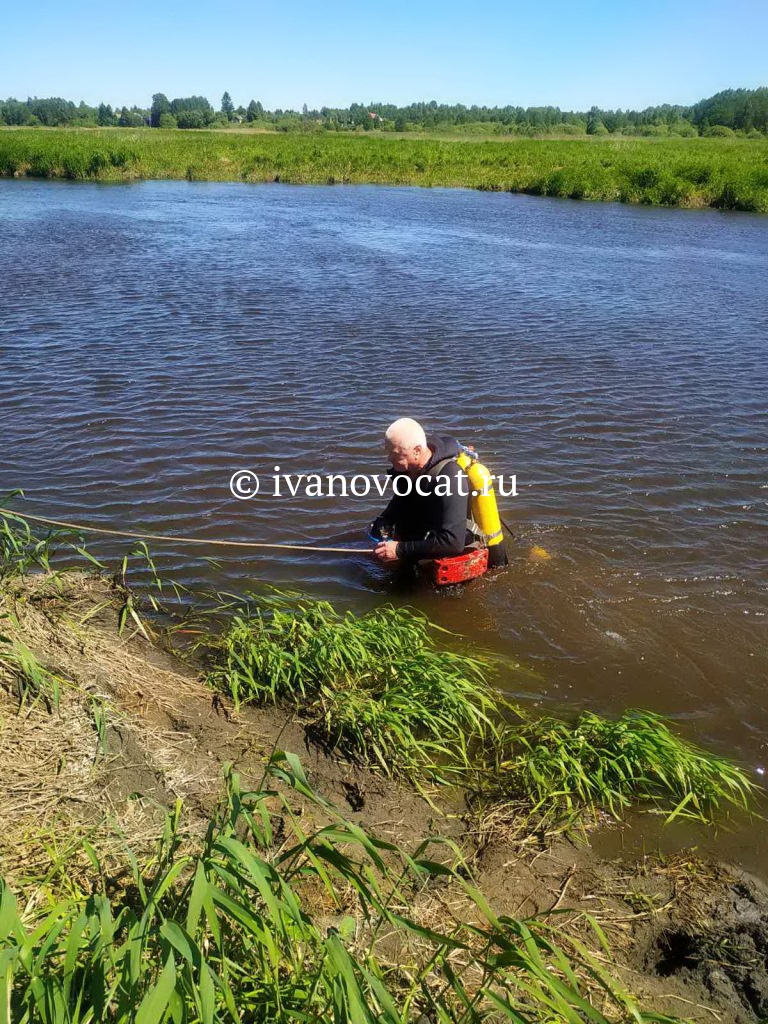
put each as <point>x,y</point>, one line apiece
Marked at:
<point>135,730</point>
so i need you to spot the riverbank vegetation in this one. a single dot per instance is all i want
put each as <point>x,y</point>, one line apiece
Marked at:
<point>375,688</point>
<point>380,689</point>
<point>234,929</point>
<point>732,111</point>
<point>722,173</point>
<point>268,904</point>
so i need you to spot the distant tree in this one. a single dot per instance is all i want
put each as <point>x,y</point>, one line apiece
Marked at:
<point>14,112</point>
<point>593,120</point>
<point>160,106</point>
<point>130,119</point>
<point>105,116</point>
<point>198,103</point>
<point>54,112</point>
<point>255,111</point>
<point>190,119</point>
<point>720,131</point>
<point>743,111</point>
<point>167,121</point>
<point>85,114</point>
<point>733,108</point>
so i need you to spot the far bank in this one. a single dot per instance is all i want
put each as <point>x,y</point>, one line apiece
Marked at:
<point>720,173</point>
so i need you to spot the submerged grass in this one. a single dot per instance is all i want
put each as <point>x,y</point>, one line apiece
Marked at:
<point>232,933</point>
<point>723,173</point>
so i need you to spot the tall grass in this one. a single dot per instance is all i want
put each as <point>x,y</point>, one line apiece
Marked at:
<point>723,173</point>
<point>316,927</point>
<point>21,550</point>
<point>376,687</point>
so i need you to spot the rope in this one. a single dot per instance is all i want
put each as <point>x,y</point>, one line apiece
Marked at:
<point>507,527</point>
<point>184,540</point>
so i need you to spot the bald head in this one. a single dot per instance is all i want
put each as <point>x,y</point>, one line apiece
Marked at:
<point>406,446</point>
<point>406,432</point>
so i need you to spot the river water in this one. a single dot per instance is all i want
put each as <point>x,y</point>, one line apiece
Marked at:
<point>156,337</point>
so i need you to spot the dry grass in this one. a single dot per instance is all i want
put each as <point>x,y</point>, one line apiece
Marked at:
<point>70,772</point>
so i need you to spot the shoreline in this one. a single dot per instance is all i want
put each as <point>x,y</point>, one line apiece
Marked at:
<point>685,173</point>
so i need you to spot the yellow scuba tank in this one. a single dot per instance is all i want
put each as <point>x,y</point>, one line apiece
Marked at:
<point>485,511</point>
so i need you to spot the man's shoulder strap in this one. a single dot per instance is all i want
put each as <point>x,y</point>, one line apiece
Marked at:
<point>438,467</point>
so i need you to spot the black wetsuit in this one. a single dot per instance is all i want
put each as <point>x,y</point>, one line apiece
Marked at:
<point>431,525</point>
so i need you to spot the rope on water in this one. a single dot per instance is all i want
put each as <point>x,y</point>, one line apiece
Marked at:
<point>79,528</point>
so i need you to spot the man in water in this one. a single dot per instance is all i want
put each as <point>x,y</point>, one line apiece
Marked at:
<point>430,521</point>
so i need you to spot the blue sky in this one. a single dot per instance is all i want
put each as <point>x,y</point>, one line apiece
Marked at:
<point>614,54</point>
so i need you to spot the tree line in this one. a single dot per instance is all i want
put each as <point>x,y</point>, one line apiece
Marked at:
<point>732,111</point>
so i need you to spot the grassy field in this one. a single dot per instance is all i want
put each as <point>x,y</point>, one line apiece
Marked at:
<point>722,173</point>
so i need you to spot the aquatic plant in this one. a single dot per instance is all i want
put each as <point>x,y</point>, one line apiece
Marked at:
<point>378,688</point>
<point>724,173</point>
<point>20,548</point>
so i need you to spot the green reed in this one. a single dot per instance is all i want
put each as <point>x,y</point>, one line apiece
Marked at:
<point>311,926</point>
<point>21,550</point>
<point>723,173</point>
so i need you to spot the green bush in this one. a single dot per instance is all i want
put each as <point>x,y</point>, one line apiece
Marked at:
<point>568,129</point>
